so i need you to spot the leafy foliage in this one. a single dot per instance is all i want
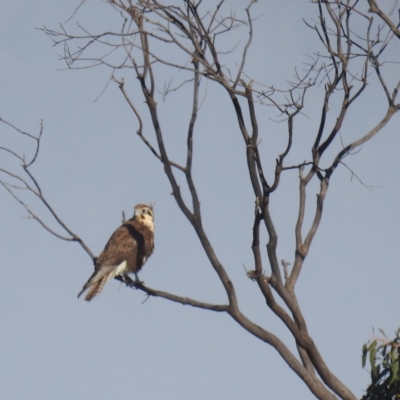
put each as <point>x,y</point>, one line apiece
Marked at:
<point>384,358</point>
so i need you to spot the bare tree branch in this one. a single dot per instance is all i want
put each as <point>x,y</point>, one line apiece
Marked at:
<point>36,190</point>
<point>172,297</point>
<point>246,48</point>
<point>374,8</point>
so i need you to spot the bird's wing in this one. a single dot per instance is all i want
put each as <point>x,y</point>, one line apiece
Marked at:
<point>120,247</point>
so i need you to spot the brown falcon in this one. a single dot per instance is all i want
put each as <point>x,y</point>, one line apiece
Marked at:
<point>126,251</point>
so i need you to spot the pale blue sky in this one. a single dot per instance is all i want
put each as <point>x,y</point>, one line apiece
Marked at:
<point>92,166</point>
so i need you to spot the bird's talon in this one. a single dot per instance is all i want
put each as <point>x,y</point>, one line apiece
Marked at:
<point>138,282</point>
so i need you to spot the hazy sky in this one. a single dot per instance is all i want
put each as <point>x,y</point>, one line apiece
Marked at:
<point>92,166</point>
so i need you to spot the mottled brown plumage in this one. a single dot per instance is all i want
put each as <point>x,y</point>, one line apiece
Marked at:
<point>125,252</point>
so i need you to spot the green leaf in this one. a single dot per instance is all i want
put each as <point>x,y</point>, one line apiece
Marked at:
<point>386,362</point>
<point>372,359</point>
<point>393,355</point>
<point>394,371</point>
<point>364,355</point>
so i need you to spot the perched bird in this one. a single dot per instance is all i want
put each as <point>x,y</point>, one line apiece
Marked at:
<point>126,251</point>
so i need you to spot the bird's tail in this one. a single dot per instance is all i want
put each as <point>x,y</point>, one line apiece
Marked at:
<point>99,278</point>
<point>97,281</point>
<point>97,288</point>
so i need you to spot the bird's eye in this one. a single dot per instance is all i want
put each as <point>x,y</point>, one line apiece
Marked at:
<point>143,211</point>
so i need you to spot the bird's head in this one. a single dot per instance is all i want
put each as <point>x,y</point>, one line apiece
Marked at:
<point>145,215</point>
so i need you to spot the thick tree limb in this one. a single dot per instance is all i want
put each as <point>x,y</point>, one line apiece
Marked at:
<point>374,8</point>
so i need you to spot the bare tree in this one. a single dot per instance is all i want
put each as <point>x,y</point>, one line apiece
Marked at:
<point>188,36</point>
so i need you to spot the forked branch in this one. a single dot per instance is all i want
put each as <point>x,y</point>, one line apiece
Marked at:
<point>31,185</point>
